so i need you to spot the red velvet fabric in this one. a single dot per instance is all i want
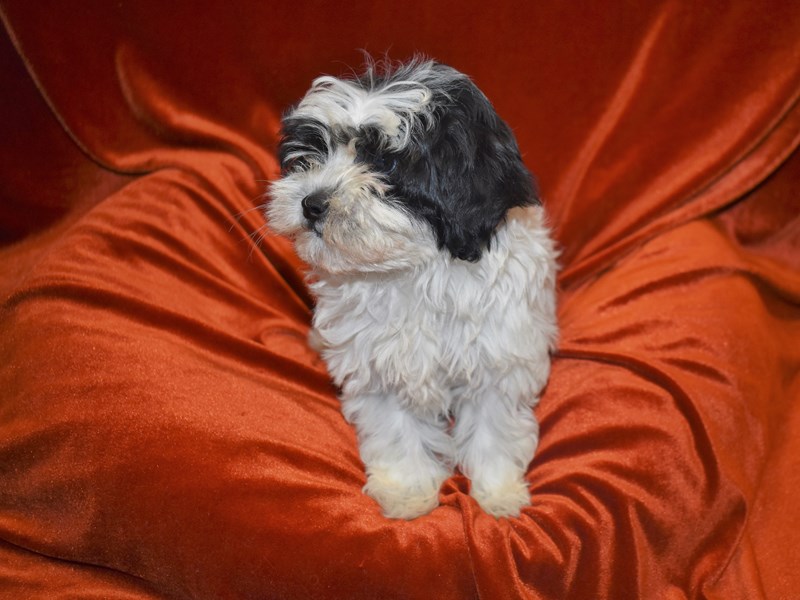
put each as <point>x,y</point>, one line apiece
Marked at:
<point>165,431</point>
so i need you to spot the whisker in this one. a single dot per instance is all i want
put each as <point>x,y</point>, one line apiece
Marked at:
<point>238,217</point>
<point>257,237</point>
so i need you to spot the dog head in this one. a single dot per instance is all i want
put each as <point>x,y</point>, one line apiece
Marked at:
<point>383,171</point>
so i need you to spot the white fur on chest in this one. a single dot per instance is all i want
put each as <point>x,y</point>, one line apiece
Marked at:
<point>447,328</point>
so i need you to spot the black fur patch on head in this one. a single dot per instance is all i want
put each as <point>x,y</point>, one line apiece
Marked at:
<point>301,136</point>
<point>465,172</point>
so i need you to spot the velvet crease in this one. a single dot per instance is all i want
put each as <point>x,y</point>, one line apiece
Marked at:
<point>165,430</point>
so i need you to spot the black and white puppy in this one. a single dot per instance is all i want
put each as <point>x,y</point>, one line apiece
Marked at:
<point>434,275</point>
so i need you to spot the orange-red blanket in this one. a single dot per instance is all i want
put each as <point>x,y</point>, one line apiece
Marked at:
<point>165,431</point>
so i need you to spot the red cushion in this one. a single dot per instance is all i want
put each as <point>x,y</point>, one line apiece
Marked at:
<point>165,431</point>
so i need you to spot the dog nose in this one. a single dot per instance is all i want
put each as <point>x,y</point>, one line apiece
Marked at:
<point>315,205</point>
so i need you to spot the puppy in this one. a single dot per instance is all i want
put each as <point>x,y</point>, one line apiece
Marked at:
<point>434,276</point>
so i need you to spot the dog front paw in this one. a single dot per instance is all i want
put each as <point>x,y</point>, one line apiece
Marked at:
<point>506,500</point>
<point>400,499</point>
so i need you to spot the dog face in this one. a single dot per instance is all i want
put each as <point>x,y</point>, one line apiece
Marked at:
<point>383,171</point>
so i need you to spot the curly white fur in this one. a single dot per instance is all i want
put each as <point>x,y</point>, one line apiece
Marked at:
<point>447,337</point>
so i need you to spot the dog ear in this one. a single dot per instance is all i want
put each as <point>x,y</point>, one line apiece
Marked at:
<point>476,171</point>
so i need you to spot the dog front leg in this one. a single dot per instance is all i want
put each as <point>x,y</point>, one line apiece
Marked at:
<point>495,439</point>
<point>407,455</point>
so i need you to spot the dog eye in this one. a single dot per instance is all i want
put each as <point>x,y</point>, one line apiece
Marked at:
<point>295,163</point>
<point>384,163</point>
<point>368,150</point>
